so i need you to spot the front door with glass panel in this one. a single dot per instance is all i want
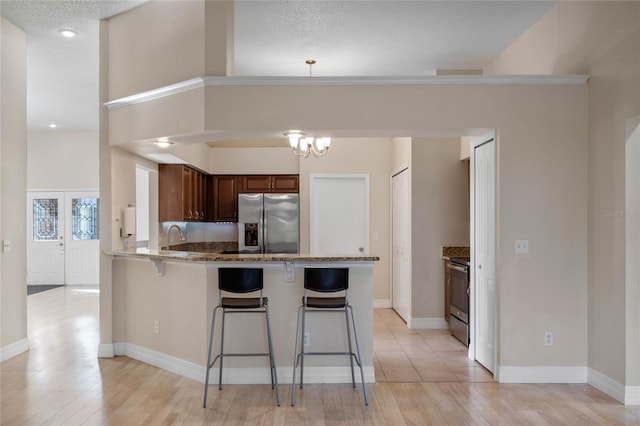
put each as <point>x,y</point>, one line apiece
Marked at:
<point>62,243</point>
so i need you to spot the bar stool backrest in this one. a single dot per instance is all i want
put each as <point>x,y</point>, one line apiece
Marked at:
<point>240,280</point>
<point>326,280</point>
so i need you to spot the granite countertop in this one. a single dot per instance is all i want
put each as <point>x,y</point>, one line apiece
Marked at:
<point>186,256</point>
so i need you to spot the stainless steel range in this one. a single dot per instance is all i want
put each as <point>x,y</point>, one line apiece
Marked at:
<point>459,298</point>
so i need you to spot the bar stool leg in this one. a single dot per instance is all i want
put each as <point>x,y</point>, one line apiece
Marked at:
<point>206,380</point>
<point>296,357</point>
<point>355,335</point>
<point>304,314</point>
<point>224,313</point>
<point>274,373</point>
<point>346,318</point>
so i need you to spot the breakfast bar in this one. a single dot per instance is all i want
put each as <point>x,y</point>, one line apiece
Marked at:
<point>164,299</point>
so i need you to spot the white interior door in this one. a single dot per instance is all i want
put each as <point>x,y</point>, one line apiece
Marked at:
<point>82,258</point>
<point>339,214</point>
<point>484,164</point>
<point>401,250</point>
<point>45,238</point>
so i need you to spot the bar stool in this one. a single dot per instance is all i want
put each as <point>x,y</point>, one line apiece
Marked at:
<point>326,280</point>
<point>240,280</point>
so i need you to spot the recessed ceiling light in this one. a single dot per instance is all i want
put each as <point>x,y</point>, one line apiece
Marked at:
<point>68,33</point>
<point>53,125</point>
<point>163,143</point>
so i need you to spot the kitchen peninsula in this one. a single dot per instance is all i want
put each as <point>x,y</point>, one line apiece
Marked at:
<point>166,298</point>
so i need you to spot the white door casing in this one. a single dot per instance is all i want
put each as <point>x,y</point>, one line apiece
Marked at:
<point>484,253</point>
<point>339,214</point>
<point>401,244</point>
<point>45,240</point>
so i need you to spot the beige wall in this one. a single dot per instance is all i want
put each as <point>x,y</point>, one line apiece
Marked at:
<point>360,156</point>
<point>540,126</point>
<point>62,159</point>
<point>600,39</point>
<point>123,178</point>
<point>252,161</point>
<point>13,183</point>
<point>154,45</point>
<point>440,217</point>
<point>542,173</point>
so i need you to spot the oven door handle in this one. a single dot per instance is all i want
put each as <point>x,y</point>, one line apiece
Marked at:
<point>457,268</point>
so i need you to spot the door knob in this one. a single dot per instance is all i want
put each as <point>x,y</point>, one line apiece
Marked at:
<point>361,249</point>
<point>479,266</point>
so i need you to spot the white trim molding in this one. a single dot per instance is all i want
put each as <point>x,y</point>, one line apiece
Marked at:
<point>105,350</point>
<point>632,395</point>
<point>199,82</point>
<point>606,384</point>
<point>232,375</point>
<point>628,395</point>
<point>567,374</point>
<point>427,323</point>
<point>14,349</point>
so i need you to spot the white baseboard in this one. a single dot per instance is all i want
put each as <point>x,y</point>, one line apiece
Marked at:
<point>14,349</point>
<point>260,375</point>
<point>105,350</point>
<point>606,384</point>
<point>628,395</point>
<point>632,395</point>
<point>542,374</point>
<point>381,303</point>
<point>166,362</point>
<point>427,323</point>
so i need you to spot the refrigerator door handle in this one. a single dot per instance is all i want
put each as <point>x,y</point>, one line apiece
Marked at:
<point>263,234</point>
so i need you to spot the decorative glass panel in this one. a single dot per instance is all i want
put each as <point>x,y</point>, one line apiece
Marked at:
<point>84,215</point>
<point>45,219</point>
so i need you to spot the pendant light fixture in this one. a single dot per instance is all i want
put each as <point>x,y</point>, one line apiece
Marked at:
<point>304,145</point>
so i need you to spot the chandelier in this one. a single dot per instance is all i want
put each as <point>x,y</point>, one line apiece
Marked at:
<point>304,145</point>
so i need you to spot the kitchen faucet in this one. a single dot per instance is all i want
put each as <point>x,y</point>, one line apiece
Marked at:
<point>168,239</point>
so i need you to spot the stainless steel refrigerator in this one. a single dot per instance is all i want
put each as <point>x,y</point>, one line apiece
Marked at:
<point>268,223</point>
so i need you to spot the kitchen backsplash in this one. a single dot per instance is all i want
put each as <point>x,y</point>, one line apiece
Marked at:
<point>196,232</point>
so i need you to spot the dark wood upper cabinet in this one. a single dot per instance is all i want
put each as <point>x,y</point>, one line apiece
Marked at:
<point>187,194</point>
<point>223,198</point>
<point>269,183</point>
<point>182,193</point>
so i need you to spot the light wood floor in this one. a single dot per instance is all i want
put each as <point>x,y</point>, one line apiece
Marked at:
<point>61,381</point>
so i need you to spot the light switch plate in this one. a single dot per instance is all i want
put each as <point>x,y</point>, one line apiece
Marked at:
<point>522,246</point>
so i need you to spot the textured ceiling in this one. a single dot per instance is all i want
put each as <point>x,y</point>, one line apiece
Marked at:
<point>375,38</point>
<point>62,73</point>
<point>273,38</point>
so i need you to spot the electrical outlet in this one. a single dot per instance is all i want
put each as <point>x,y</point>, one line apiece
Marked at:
<point>522,246</point>
<point>156,327</point>
<point>307,339</point>
<point>548,338</point>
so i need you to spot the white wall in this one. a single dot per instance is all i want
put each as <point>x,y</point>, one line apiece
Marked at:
<point>62,159</point>
<point>13,187</point>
